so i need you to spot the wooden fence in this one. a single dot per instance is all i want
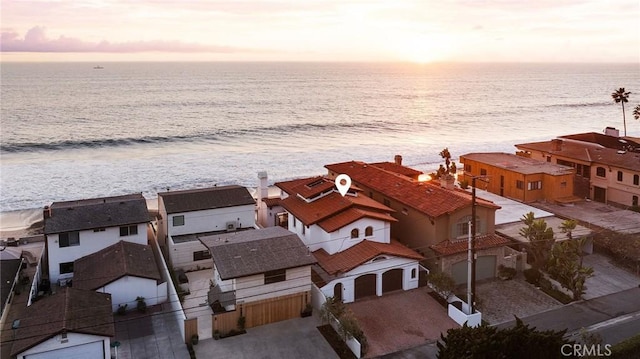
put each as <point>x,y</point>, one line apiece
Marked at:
<point>190,329</point>
<point>262,312</point>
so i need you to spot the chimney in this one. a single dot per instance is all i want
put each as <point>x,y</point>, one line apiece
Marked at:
<point>46,212</point>
<point>398,160</point>
<point>612,131</point>
<point>263,187</point>
<point>556,144</point>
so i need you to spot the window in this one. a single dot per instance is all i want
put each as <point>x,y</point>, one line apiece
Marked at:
<point>534,185</point>
<point>462,227</point>
<point>636,179</point>
<point>601,172</point>
<point>386,202</point>
<point>634,201</point>
<point>66,267</point>
<point>303,229</point>
<point>200,255</point>
<point>370,194</point>
<point>483,172</point>
<point>98,230</point>
<point>178,221</point>
<point>368,232</point>
<point>548,158</point>
<point>274,276</point>
<point>129,230</point>
<point>413,273</point>
<point>355,233</point>
<point>69,239</point>
<point>563,184</point>
<point>620,176</point>
<point>467,168</point>
<point>294,222</point>
<point>519,184</point>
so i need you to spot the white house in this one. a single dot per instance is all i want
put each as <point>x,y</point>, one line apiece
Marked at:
<point>351,238</point>
<point>270,211</point>
<point>75,229</point>
<point>257,269</point>
<point>70,324</point>
<point>186,214</point>
<point>131,272</point>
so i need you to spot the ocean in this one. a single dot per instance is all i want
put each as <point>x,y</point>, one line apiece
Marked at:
<point>69,131</point>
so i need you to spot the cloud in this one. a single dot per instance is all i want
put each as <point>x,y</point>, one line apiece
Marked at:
<point>35,40</point>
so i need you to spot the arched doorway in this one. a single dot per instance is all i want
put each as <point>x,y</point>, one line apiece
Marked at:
<point>337,291</point>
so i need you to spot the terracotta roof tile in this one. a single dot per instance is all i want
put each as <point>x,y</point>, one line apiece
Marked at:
<point>307,187</point>
<point>426,197</point>
<point>124,258</point>
<point>351,215</point>
<point>399,169</point>
<point>360,253</point>
<point>449,247</point>
<point>272,202</point>
<point>70,309</point>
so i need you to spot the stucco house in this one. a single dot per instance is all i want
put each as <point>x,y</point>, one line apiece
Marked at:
<point>351,238</point>
<point>75,229</point>
<point>431,217</point>
<point>263,275</point>
<point>269,209</point>
<point>607,166</point>
<point>185,215</point>
<point>71,324</point>
<point>126,271</point>
<point>520,178</point>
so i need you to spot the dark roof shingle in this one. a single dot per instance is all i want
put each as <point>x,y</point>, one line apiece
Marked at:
<point>71,310</point>
<point>246,253</point>
<point>206,198</point>
<point>96,213</point>
<point>123,258</point>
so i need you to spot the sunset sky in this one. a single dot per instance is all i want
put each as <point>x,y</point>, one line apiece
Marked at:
<point>321,30</point>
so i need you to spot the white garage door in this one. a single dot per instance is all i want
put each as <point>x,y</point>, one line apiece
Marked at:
<point>83,351</point>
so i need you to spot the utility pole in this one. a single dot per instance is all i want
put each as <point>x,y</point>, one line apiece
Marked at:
<point>473,244</point>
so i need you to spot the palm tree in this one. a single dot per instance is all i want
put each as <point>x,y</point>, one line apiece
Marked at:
<point>636,112</point>
<point>621,96</point>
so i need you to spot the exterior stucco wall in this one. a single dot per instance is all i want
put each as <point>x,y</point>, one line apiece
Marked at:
<point>126,289</point>
<point>252,288</point>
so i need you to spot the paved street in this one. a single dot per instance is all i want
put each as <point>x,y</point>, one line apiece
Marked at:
<point>585,313</point>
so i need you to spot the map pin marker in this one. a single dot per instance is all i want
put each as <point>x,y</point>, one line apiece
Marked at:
<point>343,188</point>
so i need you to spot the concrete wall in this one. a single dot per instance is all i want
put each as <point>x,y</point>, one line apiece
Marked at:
<point>252,288</point>
<point>212,220</point>
<point>181,255</point>
<point>126,289</point>
<point>90,242</point>
<point>48,348</point>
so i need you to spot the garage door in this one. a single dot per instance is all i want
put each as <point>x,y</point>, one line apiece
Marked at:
<point>485,268</point>
<point>84,351</point>
<point>392,280</point>
<point>365,286</point>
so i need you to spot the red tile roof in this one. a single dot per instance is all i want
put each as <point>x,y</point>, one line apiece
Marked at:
<point>399,169</point>
<point>586,152</point>
<point>333,211</point>
<point>426,197</point>
<point>307,187</point>
<point>360,253</point>
<point>448,247</point>
<point>272,202</point>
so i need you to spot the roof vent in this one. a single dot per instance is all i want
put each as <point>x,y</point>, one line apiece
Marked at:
<point>621,152</point>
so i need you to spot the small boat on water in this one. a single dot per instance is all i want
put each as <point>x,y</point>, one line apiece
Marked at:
<point>98,67</point>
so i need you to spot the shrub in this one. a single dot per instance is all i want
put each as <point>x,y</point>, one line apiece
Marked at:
<point>464,184</point>
<point>241,323</point>
<point>122,309</point>
<point>627,348</point>
<point>532,276</point>
<point>141,305</point>
<point>506,272</point>
<point>442,283</point>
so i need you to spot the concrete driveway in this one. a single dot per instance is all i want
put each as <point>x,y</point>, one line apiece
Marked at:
<point>608,278</point>
<point>401,320</point>
<point>501,300</point>
<point>289,339</point>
